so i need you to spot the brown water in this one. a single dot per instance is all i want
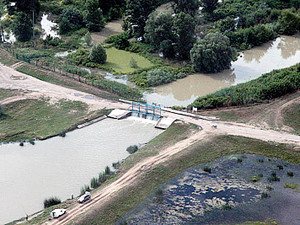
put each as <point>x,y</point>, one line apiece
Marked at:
<point>61,166</point>
<point>280,53</point>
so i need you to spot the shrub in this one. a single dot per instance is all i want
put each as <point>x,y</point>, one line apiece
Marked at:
<point>289,23</point>
<point>119,41</point>
<point>254,178</point>
<point>227,207</point>
<point>273,177</point>
<point>107,170</point>
<point>157,77</point>
<point>265,195</point>
<point>280,167</point>
<point>133,63</point>
<point>84,189</point>
<point>51,201</point>
<point>31,141</point>
<point>207,169</point>
<point>98,54</point>
<point>21,144</point>
<point>132,149</point>
<point>239,160</point>
<point>88,38</point>
<point>70,20</point>
<point>1,112</point>
<point>102,177</point>
<point>94,182</point>
<point>291,185</point>
<point>290,174</point>
<point>62,134</point>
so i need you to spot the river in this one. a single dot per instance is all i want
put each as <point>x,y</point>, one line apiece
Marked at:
<point>277,54</point>
<point>61,166</point>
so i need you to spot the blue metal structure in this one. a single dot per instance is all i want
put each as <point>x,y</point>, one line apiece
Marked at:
<point>145,110</point>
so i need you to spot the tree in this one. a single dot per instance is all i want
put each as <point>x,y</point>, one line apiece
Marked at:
<point>98,54</point>
<point>212,54</point>
<point>184,31</point>
<point>209,5</point>
<point>88,38</point>
<point>70,20</point>
<point>136,15</point>
<point>94,16</point>
<point>289,23</point>
<point>22,27</point>
<point>186,6</point>
<point>159,28</point>
<point>25,6</point>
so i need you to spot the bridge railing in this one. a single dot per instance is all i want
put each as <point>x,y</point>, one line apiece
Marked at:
<point>146,109</point>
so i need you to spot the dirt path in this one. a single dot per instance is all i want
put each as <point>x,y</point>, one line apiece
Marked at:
<point>111,28</point>
<point>11,79</point>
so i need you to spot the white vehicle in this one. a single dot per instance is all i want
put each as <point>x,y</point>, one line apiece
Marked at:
<point>85,197</point>
<point>57,213</point>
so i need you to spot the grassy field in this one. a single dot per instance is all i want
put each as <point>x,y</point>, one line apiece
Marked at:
<point>6,93</point>
<point>201,152</point>
<point>119,60</point>
<point>6,58</point>
<point>29,119</point>
<point>292,118</point>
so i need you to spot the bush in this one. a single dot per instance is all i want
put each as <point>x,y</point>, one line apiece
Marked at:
<point>290,174</point>
<point>98,54</point>
<point>84,189</point>
<point>94,182</point>
<point>280,167</point>
<point>70,20</point>
<point>292,186</point>
<point>107,170</point>
<point>265,195</point>
<point>133,63</point>
<point>207,169</point>
<point>212,54</point>
<point>132,149</point>
<point>254,178</point>
<point>158,76</point>
<point>289,23</point>
<point>119,41</point>
<point>51,201</point>
<point>88,38</point>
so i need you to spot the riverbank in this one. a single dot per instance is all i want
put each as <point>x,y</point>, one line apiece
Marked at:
<point>203,151</point>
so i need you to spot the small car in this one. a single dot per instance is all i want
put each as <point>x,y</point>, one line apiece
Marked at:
<point>85,197</point>
<point>57,213</point>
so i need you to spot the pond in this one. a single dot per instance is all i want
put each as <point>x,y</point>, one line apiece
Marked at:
<point>61,166</point>
<point>280,53</point>
<point>225,194</point>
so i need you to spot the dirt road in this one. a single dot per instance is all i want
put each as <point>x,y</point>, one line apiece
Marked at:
<point>11,79</point>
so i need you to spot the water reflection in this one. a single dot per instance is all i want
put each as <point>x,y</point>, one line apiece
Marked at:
<point>280,53</point>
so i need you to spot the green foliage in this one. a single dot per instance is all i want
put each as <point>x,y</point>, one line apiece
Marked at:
<point>291,185</point>
<point>184,31</point>
<point>186,6</point>
<point>88,38</point>
<point>98,54</point>
<point>80,57</point>
<point>212,54</point>
<point>107,170</point>
<point>254,178</point>
<point>290,173</point>
<point>70,20</point>
<point>249,37</point>
<point>84,189</point>
<point>1,112</point>
<point>289,23</point>
<point>94,182</point>
<point>207,169</point>
<point>159,28</point>
<point>136,14</point>
<point>22,27</point>
<point>94,16</point>
<point>119,41</point>
<point>209,5</point>
<point>158,76</point>
<point>132,149</point>
<point>133,63</point>
<point>119,89</point>
<point>51,201</point>
<point>268,86</point>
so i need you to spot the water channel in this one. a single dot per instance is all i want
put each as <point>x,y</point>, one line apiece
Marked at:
<point>61,166</point>
<point>280,53</point>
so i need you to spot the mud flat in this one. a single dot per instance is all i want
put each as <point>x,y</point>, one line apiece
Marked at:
<point>226,195</point>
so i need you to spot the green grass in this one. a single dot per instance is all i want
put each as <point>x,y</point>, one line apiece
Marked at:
<point>291,185</point>
<point>6,93</point>
<point>201,152</point>
<point>119,61</point>
<point>29,119</point>
<point>291,118</point>
<point>6,58</point>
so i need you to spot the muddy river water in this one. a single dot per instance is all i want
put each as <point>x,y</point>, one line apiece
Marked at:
<point>61,166</point>
<point>280,53</point>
